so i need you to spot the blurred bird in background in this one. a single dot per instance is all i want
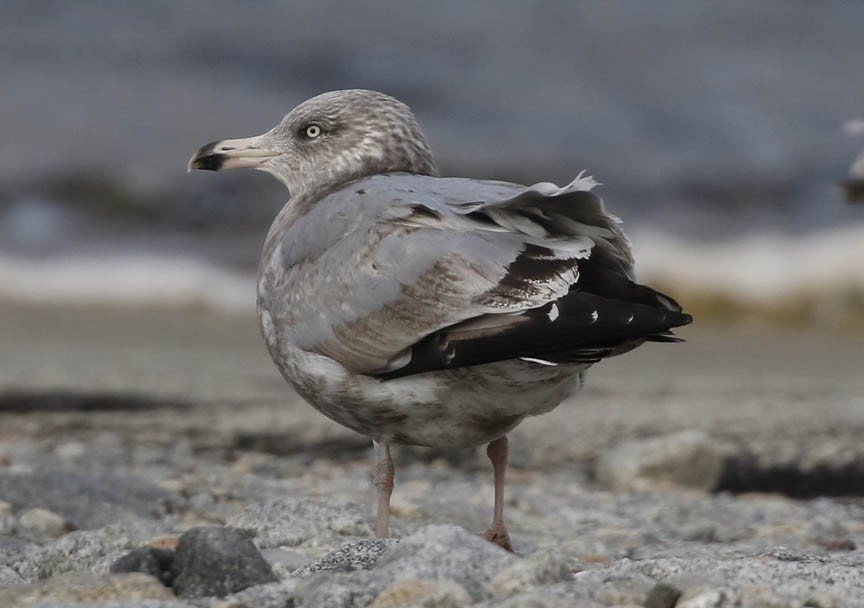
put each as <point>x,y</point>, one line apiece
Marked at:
<point>854,186</point>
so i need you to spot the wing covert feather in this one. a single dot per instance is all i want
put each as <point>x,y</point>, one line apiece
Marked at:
<point>374,269</point>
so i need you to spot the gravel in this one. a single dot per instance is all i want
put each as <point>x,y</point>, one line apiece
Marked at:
<point>292,522</point>
<point>244,478</point>
<point>84,588</point>
<point>86,501</point>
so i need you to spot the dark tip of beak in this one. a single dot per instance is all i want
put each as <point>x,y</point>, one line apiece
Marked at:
<point>206,159</point>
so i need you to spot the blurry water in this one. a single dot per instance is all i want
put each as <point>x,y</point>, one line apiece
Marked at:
<point>701,119</point>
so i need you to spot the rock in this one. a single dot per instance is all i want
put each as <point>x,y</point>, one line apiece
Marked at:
<point>271,595</point>
<point>688,459</point>
<point>711,598</point>
<point>309,522</point>
<point>85,587</point>
<point>662,596</point>
<point>537,598</point>
<point>775,578</point>
<point>12,544</point>
<point>447,552</point>
<point>8,526</point>
<point>838,544</point>
<point>90,501</point>
<point>149,560</point>
<point>71,450</point>
<point>589,589</point>
<point>540,568</point>
<point>74,552</point>
<point>823,601</point>
<point>360,555</point>
<point>405,593</point>
<point>216,561</point>
<point>5,508</point>
<point>42,523</point>
<point>164,542</point>
<point>12,553</point>
<point>607,586</point>
<point>286,561</point>
<point>435,553</point>
<point>8,577</point>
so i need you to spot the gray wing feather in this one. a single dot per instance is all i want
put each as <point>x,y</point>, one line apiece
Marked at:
<point>373,269</point>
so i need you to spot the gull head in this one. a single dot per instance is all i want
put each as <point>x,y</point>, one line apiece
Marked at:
<point>328,140</point>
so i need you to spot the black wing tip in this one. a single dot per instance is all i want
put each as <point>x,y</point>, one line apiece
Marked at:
<point>666,336</point>
<point>683,319</point>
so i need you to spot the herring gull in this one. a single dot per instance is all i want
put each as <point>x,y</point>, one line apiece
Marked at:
<point>423,310</point>
<point>854,186</point>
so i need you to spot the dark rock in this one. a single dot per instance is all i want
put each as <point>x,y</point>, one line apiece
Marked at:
<point>217,561</point>
<point>798,477</point>
<point>838,544</point>
<point>662,596</point>
<point>150,560</point>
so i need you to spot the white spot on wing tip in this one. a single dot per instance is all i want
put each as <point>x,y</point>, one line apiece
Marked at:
<point>553,313</point>
<point>594,316</point>
<point>540,361</point>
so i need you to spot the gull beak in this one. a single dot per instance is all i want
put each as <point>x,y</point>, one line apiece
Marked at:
<point>245,153</point>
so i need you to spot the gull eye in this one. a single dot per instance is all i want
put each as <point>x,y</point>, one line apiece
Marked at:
<point>312,131</point>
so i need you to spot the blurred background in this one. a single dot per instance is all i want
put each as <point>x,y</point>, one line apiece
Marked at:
<point>716,131</point>
<point>129,343</point>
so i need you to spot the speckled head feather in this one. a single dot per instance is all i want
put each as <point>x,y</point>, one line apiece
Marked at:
<point>363,133</point>
<point>327,141</point>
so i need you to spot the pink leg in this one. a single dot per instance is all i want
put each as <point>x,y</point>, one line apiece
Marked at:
<point>497,453</point>
<point>382,477</point>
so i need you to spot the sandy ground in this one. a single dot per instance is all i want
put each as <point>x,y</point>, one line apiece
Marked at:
<point>753,382</point>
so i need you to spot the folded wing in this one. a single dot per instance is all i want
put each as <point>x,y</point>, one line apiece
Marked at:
<point>423,274</point>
